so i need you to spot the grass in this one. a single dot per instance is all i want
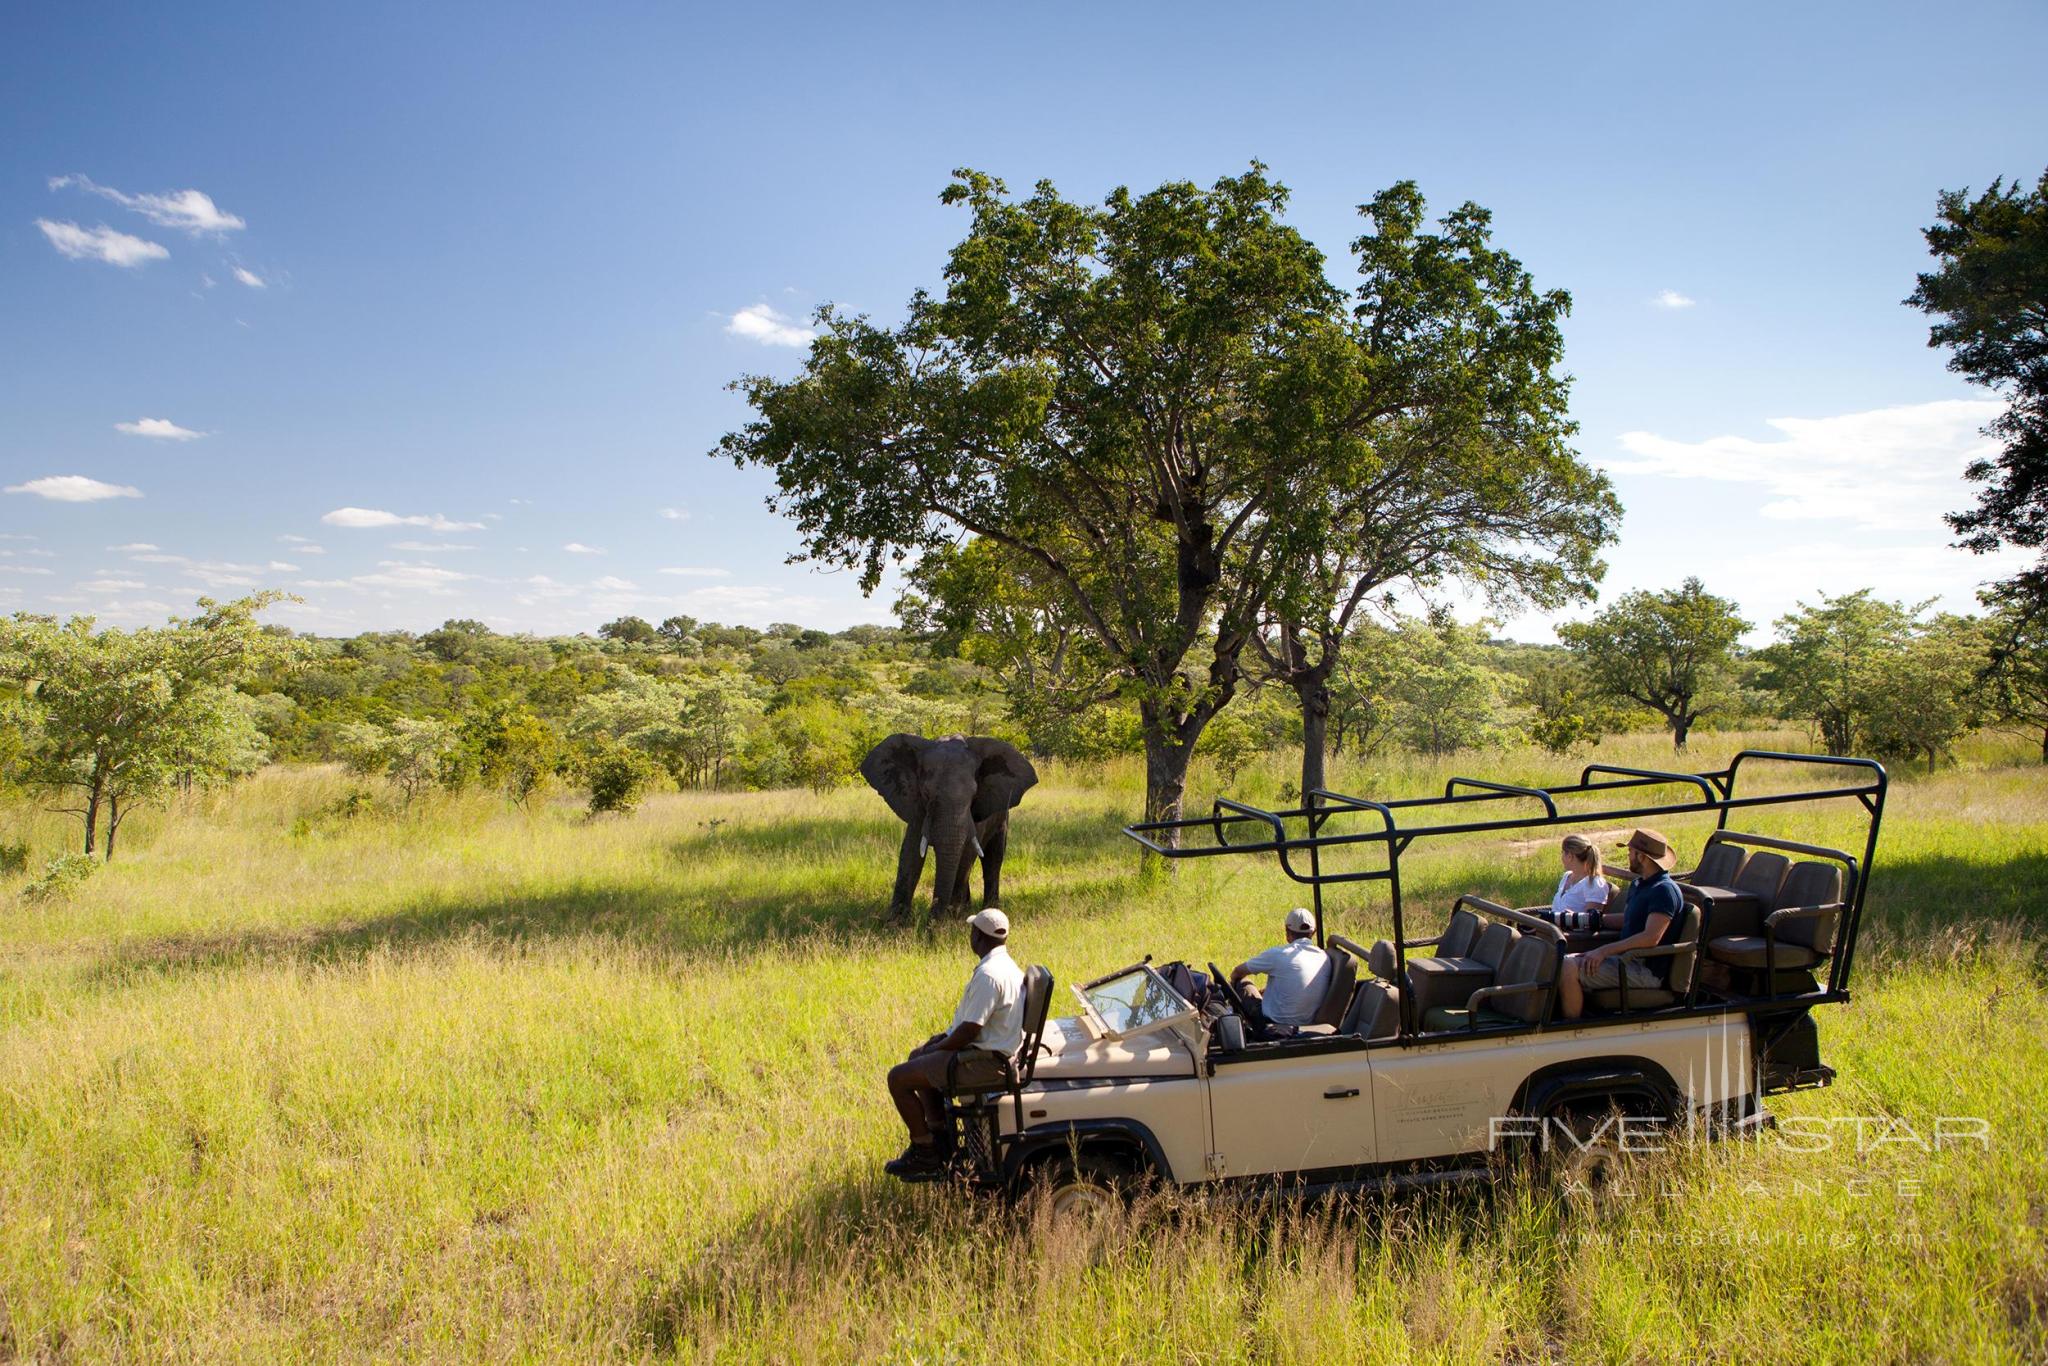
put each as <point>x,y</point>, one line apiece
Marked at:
<point>472,1083</point>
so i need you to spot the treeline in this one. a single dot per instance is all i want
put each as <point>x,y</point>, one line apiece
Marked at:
<point>102,721</point>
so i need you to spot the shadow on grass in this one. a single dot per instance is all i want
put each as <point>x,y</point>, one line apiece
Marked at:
<point>746,897</point>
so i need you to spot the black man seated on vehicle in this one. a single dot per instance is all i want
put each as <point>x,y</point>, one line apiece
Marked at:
<point>987,1028</point>
<point>1650,913</point>
<point>1296,972</point>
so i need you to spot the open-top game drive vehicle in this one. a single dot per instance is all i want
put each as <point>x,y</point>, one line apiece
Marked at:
<point>1427,1056</point>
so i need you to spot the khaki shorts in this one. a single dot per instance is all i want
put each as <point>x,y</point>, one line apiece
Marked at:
<point>1606,974</point>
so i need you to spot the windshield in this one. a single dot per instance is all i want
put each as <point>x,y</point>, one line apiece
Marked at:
<point>1133,1001</point>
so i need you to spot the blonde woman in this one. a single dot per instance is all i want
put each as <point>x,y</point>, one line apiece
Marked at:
<point>1580,888</point>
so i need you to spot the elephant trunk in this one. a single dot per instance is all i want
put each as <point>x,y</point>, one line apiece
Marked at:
<point>949,836</point>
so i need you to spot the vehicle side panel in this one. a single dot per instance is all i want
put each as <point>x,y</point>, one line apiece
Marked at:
<point>1439,1099</point>
<point>1174,1110</point>
<point>1285,1114</point>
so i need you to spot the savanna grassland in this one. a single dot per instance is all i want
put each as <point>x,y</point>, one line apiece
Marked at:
<point>477,1082</point>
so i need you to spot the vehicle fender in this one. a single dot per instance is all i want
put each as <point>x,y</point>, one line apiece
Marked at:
<point>1623,1078</point>
<point>1123,1134</point>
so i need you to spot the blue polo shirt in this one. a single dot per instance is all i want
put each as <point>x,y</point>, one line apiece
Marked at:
<point>1648,896</point>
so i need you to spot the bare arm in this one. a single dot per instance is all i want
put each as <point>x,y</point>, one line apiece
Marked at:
<point>1652,931</point>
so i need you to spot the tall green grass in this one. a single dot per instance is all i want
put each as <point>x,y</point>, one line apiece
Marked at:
<point>476,1083</point>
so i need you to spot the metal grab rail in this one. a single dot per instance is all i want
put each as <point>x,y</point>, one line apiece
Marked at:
<point>1505,789</point>
<point>1718,795</point>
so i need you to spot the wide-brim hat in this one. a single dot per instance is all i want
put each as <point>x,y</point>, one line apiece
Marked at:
<point>1653,845</point>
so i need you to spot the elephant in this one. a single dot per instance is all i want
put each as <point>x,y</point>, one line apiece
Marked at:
<point>954,796</point>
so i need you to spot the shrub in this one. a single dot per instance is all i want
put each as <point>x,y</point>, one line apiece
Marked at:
<point>13,859</point>
<point>62,875</point>
<point>616,779</point>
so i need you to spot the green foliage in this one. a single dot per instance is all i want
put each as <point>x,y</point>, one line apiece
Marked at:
<point>62,875</point>
<point>13,859</point>
<point>1673,652</point>
<point>822,745</point>
<point>1989,290</point>
<point>1876,676</point>
<point>616,776</point>
<point>2016,672</point>
<point>1567,712</point>
<point>411,753</point>
<point>629,631</point>
<point>116,719</point>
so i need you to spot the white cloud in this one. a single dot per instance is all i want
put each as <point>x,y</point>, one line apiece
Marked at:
<point>132,548</point>
<point>692,572</point>
<point>189,210</point>
<point>609,584</point>
<point>100,244</point>
<point>1671,298</point>
<point>281,567</point>
<point>1889,469</point>
<point>578,548</point>
<point>251,278</point>
<point>303,544</point>
<point>74,488</point>
<point>674,515</point>
<point>430,547</point>
<point>35,569</point>
<point>159,429</point>
<point>760,323</point>
<point>412,578</point>
<point>111,585</point>
<point>376,517</point>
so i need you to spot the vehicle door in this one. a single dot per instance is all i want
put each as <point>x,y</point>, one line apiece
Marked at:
<point>1284,1111</point>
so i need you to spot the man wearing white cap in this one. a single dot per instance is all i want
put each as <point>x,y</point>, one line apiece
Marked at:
<point>1295,974</point>
<point>987,1028</point>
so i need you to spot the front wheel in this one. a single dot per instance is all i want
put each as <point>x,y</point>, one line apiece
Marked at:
<point>1085,1186</point>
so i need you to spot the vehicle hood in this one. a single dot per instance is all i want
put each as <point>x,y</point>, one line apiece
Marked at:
<point>1073,1052</point>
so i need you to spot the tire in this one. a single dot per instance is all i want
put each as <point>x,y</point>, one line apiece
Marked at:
<point>1590,1167</point>
<point>1087,1185</point>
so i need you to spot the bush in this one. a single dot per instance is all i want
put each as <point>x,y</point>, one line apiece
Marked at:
<point>616,779</point>
<point>62,875</point>
<point>13,859</point>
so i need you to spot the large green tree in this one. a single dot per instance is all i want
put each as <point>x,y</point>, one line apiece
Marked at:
<point>1111,392</point>
<point>1672,652</point>
<point>118,718</point>
<point>1989,290</point>
<point>2016,673</point>
<point>1165,407</point>
<point>1443,448</point>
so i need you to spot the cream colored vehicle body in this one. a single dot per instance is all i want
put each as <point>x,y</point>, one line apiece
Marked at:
<point>1338,1108</point>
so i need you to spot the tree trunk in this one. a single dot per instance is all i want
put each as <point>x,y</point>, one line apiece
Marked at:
<point>113,824</point>
<point>1166,770</point>
<point>92,817</point>
<point>1681,727</point>
<point>2044,744</point>
<point>1315,724</point>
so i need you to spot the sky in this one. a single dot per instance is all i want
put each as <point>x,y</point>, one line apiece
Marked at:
<point>422,312</point>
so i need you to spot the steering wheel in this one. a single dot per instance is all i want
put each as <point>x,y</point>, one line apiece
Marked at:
<point>1227,987</point>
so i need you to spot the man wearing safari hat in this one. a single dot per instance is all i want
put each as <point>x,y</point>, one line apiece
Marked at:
<point>987,1028</point>
<point>1650,913</point>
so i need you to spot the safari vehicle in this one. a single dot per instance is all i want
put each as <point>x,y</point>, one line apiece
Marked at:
<point>1428,1054</point>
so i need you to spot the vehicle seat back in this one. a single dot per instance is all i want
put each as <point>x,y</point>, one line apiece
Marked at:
<point>1492,946</point>
<point>1458,935</point>
<point>1720,865</point>
<point>1810,883</point>
<point>1762,873</point>
<point>1338,980</point>
<point>1685,962</point>
<point>1529,963</point>
<point>1375,1012</point>
<point>1037,1005</point>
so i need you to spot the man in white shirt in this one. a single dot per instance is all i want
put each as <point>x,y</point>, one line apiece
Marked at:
<point>987,1029</point>
<point>1296,973</point>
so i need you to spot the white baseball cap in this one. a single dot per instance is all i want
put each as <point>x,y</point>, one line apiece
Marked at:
<point>992,923</point>
<point>1299,921</point>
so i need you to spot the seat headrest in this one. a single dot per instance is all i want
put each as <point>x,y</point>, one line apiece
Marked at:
<point>1761,874</point>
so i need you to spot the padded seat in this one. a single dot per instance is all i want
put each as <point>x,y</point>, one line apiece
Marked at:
<point>1455,942</point>
<point>1338,980</point>
<point>1520,996</point>
<point>1801,920</point>
<point>1683,956</point>
<point>1720,865</point>
<point>1375,1012</point>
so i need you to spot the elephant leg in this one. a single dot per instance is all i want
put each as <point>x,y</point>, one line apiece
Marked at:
<point>994,841</point>
<point>909,868</point>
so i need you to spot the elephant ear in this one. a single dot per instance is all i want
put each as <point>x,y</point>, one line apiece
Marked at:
<point>891,769</point>
<point>1002,776</point>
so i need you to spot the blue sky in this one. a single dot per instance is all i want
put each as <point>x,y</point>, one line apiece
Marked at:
<point>446,327</point>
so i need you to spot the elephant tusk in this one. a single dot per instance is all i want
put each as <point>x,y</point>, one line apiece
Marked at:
<point>976,840</point>
<point>924,841</point>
